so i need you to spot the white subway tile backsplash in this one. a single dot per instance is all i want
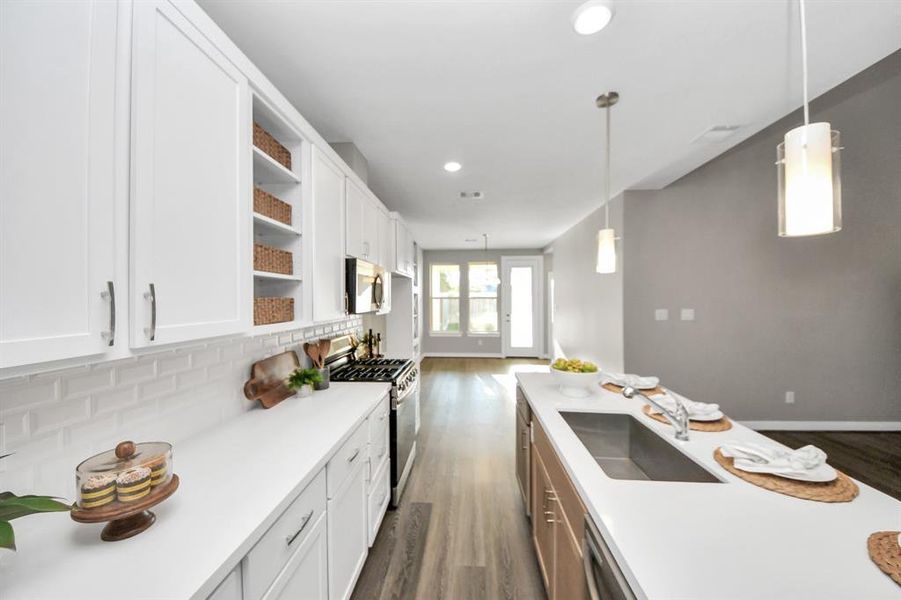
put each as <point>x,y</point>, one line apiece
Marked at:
<point>173,362</point>
<point>53,416</point>
<point>135,372</point>
<point>54,420</point>
<point>99,378</point>
<point>161,385</point>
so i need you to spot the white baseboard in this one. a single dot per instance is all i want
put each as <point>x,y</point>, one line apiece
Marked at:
<point>462,355</point>
<point>823,425</point>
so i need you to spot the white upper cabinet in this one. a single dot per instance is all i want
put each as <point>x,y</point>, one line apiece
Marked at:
<point>362,226</point>
<point>356,198</point>
<point>403,249</point>
<point>386,239</point>
<point>328,239</point>
<point>58,201</point>
<point>191,202</point>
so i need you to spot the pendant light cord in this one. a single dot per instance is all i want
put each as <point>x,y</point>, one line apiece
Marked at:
<point>607,175</point>
<point>804,60</point>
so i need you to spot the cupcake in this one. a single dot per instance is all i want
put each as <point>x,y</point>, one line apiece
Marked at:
<point>133,484</point>
<point>98,490</point>
<point>159,472</point>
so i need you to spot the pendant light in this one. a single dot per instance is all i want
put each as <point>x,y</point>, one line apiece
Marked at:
<point>606,259</point>
<point>808,164</point>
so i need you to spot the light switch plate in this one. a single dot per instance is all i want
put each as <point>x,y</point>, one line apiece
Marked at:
<point>688,314</point>
<point>661,314</point>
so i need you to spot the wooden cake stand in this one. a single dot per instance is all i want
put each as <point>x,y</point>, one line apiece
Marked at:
<point>126,520</point>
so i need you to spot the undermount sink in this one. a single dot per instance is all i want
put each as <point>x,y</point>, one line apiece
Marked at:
<point>626,449</point>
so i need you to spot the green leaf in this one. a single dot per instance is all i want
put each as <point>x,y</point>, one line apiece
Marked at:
<point>13,507</point>
<point>7,537</point>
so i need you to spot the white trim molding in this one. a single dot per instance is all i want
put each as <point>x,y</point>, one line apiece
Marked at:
<point>823,425</point>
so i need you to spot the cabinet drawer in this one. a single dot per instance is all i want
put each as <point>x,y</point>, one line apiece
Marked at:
<point>379,494</point>
<point>567,496</point>
<point>267,559</point>
<point>348,456</point>
<point>378,419</point>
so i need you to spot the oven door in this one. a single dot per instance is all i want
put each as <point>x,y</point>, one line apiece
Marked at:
<point>363,281</point>
<point>604,577</point>
<point>403,440</point>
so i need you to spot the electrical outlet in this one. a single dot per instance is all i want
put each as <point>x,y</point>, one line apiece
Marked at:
<point>687,314</point>
<point>789,397</point>
<point>661,314</point>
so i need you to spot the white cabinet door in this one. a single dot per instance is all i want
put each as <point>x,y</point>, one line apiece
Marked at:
<point>400,241</point>
<point>191,202</point>
<point>356,198</point>
<point>58,204</point>
<point>306,575</point>
<point>347,534</point>
<point>230,588</point>
<point>370,229</point>
<point>386,241</point>
<point>328,239</point>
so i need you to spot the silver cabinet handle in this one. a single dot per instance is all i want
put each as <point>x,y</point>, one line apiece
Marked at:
<point>551,514</point>
<point>353,456</point>
<point>110,294</point>
<point>303,525</point>
<point>151,295</point>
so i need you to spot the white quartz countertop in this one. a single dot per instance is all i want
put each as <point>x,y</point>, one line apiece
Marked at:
<point>712,541</point>
<point>235,481</point>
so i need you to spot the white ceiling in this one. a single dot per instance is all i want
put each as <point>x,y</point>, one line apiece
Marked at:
<point>507,89</point>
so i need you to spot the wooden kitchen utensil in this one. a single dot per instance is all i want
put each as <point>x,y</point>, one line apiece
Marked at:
<point>325,346</point>
<point>314,352</point>
<point>267,379</point>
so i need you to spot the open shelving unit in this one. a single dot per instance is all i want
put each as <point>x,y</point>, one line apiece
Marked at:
<point>292,187</point>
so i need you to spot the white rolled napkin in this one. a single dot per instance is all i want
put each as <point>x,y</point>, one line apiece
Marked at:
<point>631,380</point>
<point>765,458</point>
<point>695,409</point>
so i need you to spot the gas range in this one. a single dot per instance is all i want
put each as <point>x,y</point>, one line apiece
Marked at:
<point>403,376</point>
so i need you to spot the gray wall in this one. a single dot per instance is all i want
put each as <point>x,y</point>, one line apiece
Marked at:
<point>463,344</point>
<point>820,316</point>
<point>588,322</point>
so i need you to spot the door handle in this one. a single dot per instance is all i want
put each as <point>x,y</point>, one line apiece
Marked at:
<point>151,295</point>
<point>110,294</point>
<point>303,525</point>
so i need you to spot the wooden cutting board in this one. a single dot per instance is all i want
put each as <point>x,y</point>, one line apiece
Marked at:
<point>267,379</point>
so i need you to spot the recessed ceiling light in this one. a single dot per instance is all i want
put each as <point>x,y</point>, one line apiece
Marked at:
<point>592,16</point>
<point>452,166</point>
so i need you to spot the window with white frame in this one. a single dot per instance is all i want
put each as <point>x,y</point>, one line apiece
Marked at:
<point>482,283</point>
<point>444,291</point>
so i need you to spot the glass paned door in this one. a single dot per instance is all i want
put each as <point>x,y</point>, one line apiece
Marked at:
<point>523,287</point>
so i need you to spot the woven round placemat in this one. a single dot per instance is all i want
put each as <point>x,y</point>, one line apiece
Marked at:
<point>841,489</point>
<point>886,553</point>
<point>723,424</point>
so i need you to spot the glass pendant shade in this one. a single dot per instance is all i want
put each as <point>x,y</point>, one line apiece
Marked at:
<point>606,251</point>
<point>810,191</point>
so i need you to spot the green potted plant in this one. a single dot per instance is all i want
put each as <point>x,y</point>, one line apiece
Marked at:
<point>302,380</point>
<point>13,507</point>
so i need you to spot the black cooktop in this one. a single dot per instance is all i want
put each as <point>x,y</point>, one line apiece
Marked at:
<point>370,369</point>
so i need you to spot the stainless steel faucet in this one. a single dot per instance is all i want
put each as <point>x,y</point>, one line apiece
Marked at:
<point>678,419</point>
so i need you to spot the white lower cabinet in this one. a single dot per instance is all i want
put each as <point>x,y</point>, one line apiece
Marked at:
<point>269,568</point>
<point>306,575</point>
<point>379,495</point>
<point>230,588</point>
<point>347,534</point>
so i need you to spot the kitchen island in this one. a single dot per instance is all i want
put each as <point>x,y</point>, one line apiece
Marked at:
<point>715,541</point>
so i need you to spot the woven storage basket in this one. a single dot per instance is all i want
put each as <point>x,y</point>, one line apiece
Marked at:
<point>266,204</point>
<point>272,310</point>
<point>272,260</point>
<point>263,140</point>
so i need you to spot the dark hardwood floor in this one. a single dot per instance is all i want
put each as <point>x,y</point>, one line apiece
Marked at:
<point>871,457</point>
<point>460,531</point>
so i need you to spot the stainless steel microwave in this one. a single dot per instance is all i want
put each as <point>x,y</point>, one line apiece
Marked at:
<point>364,286</point>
